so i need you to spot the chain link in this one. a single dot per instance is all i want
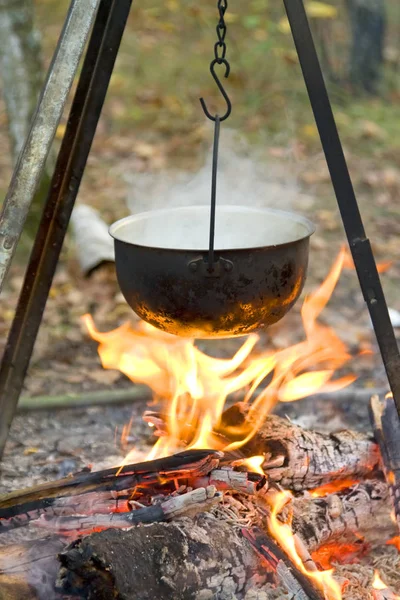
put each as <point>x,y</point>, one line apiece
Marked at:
<point>220,46</point>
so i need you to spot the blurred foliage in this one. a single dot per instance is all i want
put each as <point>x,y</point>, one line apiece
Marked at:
<point>162,70</point>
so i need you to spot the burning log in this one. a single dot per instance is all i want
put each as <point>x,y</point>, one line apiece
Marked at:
<point>208,555</point>
<point>18,508</point>
<point>297,584</point>
<point>213,557</point>
<point>213,560</point>
<point>298,459</point>
<point>362,511</point>
<point>386,428</point>
<point>191,502</point>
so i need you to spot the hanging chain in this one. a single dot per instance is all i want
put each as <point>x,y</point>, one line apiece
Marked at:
<point>220,59</point>
<point>220,46</point>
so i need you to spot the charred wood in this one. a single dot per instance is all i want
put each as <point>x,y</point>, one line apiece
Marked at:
<point>362,511</point>
<point>192,463</point>
<point>298,459</point>
<point>189,503</point>
<point>213,558</point>
<point>297,584</point>
<point>387,433</point>
<point>213,561</point>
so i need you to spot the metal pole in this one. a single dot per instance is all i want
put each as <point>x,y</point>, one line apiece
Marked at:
<point>33,155</point>
<point>359,244</point>
<point>85,112</point>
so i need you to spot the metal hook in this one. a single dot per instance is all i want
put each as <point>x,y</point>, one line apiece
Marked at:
<point>219,61</point>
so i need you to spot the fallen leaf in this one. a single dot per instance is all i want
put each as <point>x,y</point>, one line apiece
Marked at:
<point>321,10</point>
<point>371,130</point>
<point>31,450</point>
<point>315,10</point>
<point>106,376</point>
<point>310,131</point>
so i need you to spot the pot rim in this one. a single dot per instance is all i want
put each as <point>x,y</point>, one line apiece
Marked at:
<point>310,226</point>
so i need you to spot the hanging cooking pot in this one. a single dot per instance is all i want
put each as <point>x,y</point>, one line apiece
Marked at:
<point>260,265</point>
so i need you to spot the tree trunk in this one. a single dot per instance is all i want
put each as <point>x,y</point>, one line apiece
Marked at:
<point>368,28</point>
<point>22,77</point>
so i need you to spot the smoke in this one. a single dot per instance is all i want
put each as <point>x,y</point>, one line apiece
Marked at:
<point>243,179</point>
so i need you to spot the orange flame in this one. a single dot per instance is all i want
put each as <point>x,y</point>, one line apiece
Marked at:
<point>332,487</point>
<point>195,386</point>
<point>395,541</point>
<point>382,267</point>
<point>377,583</point>
<point>282,532</point>
<point>252,464</point>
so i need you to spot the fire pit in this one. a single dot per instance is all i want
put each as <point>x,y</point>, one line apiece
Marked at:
<point>235,499</point>
<point>252,502</point>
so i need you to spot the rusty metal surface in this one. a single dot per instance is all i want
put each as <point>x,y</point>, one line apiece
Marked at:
<point>257,291</point>
<point>33,156</point>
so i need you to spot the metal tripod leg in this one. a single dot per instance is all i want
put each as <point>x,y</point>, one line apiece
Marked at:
<point>85,112</point>
<point>36,148</point>
<point>359,244</point>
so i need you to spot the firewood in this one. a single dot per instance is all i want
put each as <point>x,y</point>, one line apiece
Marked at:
<point>362,511</point>
<point>136,393</point>
<point>192,463</point>
<point>189,559</point>
<point>189,503</point>
<point>226,479</point>
<point>183,559</point>
<point>297,584</point>
<point>84,504</point>
<point>213,558</point>
<point>386,429</point>
<point>298,459</point>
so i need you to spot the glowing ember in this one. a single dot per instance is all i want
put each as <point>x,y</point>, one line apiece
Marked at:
<point>395,541</point>
<point>331,488</point>
<point>282,533</point>
<point>343,553</point>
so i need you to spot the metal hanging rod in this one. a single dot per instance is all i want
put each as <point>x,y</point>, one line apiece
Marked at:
<point>220,59</point>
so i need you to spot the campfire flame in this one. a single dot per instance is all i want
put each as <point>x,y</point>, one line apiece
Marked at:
<point>195,385</point>
<point>283,534</point>
<point>194,388</point>
<point>377,583</point>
